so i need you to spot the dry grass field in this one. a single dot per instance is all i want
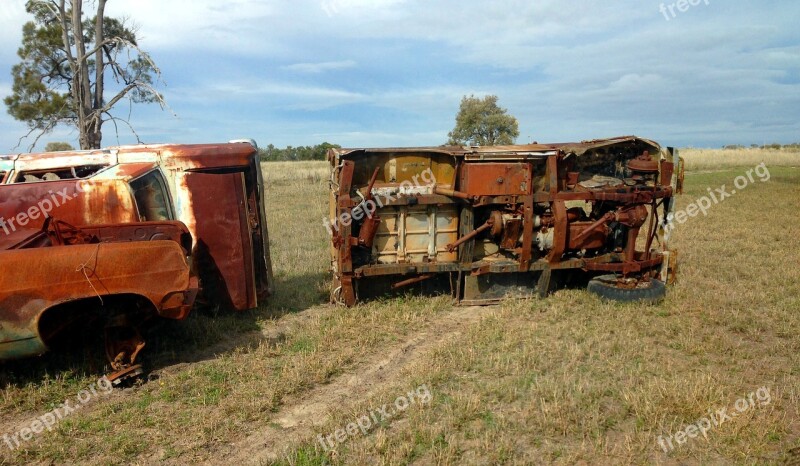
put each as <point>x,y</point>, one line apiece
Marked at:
<point>567,379</point>
<point>715,159</point>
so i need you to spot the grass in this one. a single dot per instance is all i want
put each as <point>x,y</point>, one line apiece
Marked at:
<point>568,379</point>
<point>714,159</point>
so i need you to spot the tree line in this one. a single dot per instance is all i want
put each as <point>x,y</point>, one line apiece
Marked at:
<point>271,153</point>
<point>792,147</point>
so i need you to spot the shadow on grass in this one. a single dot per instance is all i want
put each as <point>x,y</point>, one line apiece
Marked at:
<point>491,290</point>
<point>203,335</point>
<point>77,361</point>
<point>295,293</point>
<point>206,334</point>
<point>209,333</point>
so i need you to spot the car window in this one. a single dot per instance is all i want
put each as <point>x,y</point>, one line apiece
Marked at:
<point>152,197</point>
<point>54,174</point>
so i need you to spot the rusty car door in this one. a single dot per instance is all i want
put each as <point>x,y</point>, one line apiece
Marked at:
<point>223,250</point>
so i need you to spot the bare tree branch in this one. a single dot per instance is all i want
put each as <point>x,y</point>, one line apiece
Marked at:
<point>114,120</point>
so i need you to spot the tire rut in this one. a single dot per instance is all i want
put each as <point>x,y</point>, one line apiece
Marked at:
<point>297,420</point>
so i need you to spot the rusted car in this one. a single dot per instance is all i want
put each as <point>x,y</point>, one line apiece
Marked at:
<point>485,222</point>
<point>125,234</point>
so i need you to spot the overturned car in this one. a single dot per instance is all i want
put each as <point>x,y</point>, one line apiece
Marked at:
<point>122,235</point>
<point>485,222</point>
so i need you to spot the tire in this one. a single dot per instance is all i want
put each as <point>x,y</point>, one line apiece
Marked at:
<point>605,287</point>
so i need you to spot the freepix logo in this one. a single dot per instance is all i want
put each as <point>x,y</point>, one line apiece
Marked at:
<point>714,419</point>
<point>50,420</point>
<point>424,181</point>
<point>703,204</point>
<point>43,207</point>
<point>375,417</point>
<point>671,10</point>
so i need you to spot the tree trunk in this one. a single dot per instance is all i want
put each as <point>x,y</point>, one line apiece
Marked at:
<point>99,59</point>
<point>96,135</point>
<point>88,120</point>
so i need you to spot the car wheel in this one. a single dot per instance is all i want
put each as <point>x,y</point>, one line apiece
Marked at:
<point>608,287</point>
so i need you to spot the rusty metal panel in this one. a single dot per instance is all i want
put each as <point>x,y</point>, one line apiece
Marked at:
<point>416,234</point>
<point>124,171</point>
<point>593,240</point>
<point>156,270</point>
<point>213,207</point>
<point>171,156</point>
<point>79,203</point>
<point>50,160</point>
<point>495,179</point>
<point>140,231</point>
<point>203,156</point>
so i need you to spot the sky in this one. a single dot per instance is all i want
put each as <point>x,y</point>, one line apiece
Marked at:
<point>377,73</point>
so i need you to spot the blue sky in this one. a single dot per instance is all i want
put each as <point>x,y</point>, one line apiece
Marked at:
<point>392,72</point>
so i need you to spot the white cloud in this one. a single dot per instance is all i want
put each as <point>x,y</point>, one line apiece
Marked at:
<point>270,88</point>
<point>565,69</point>
<point>315,68</point>
<point>638,83</point>
<point>12,17</point>
<point>267,93</point>
<point>357,7</point>
<point>355,139</point>
<point>198,24</point>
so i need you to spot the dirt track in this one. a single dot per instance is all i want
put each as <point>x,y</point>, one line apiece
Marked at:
<point>296,420</point>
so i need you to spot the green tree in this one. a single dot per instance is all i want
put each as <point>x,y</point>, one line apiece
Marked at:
<point>291,154</point>
<point>481,122</point>
<point>58,146</point>
<point>68,62</point>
